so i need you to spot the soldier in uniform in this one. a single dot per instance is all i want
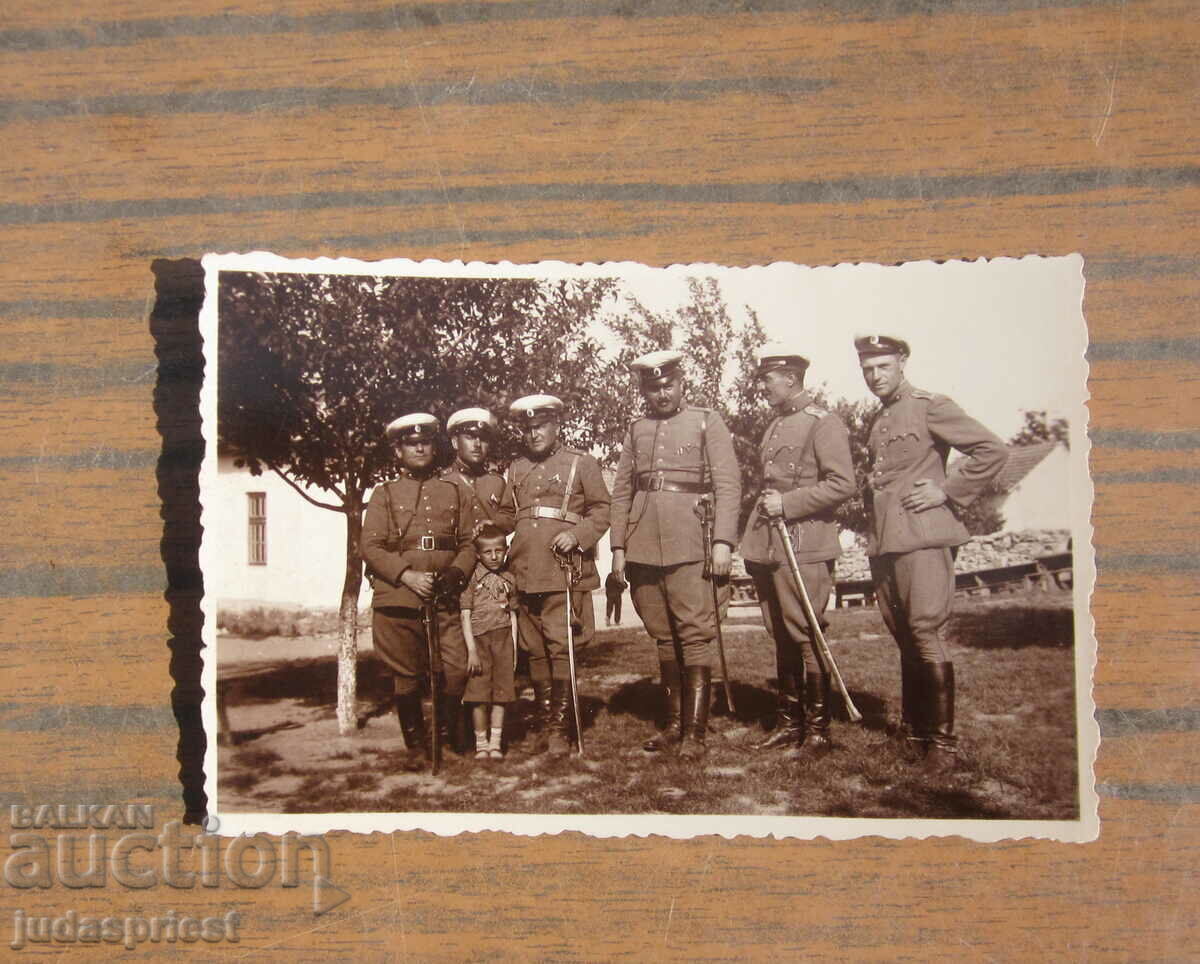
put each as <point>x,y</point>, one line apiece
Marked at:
<point>807,473</point>
<point>416,541</point>
<point>915,532</point>
<point>561,507</point>
<point>472,431</point>
<point>670,459</point>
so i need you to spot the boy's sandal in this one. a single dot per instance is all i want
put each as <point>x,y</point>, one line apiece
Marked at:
<point>495,754</point>
<point>482,754</point>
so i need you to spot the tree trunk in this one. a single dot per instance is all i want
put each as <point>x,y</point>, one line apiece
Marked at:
<point>347,708</point>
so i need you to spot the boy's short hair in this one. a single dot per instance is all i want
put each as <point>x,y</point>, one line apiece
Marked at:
<point>489,531</point>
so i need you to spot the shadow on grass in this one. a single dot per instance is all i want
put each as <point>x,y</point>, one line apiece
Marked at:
<point>313,683</point>
<point>1014,626</point>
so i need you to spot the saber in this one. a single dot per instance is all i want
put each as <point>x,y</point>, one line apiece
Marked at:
<point>429,617</point>
<point>814,623</point>
<point>706,529</point>
<point>569,575</point>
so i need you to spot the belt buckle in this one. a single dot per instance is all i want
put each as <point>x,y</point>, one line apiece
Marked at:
<point>656,483</point>
<point>427,543</point>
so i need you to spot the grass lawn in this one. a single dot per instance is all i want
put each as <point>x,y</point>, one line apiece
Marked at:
<point>1016,721</point>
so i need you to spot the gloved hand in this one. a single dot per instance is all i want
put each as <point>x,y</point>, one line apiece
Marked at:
<point>449,581</point>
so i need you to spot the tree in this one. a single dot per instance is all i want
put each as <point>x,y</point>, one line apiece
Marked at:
<point>1039,427</point>
<point>312,367</point>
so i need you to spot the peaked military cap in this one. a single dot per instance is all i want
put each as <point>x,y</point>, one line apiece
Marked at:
<point>416,425</point>
<point>471,420</point>
<point>869,345</point>
<point>657,364</point>
<point>531,408</point>
<point>778,354</point>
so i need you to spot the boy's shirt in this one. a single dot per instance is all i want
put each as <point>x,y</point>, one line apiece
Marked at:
<point>490,596</point>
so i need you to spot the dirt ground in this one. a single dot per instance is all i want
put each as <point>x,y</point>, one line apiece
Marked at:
<point>1014,657</point>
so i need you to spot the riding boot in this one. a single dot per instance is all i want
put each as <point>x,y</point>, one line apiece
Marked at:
<point>540,715</point>
<point>697,694</point>
<point>817,713</point>
<point>673,707</point>
<point>559,724</point>
<point>450,722</point>
<point>789,714</point>
<point>412,725</point>
<point>939,691</point>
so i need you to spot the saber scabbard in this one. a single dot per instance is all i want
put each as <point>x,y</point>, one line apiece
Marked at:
<point>429,616</point>
<point>814,623</point>
<point>706,529</point>
<point>570,574</point>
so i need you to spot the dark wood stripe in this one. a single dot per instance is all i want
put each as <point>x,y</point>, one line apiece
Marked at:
<point>1164,476</point>
<point>1131,438</point>
<point>1147,562</point>
<point>78,379</point>
<point>51,580</point>
<point>1146,349</point>
<point>29,718</point>
<point>100,458</point>
<point>84,308</point>
<point>404,17</point>
<point>408,97</point>
<point>1154,266</point>
<point>1152,792</point>
<point>843,192</point>
<point>1132,722</point>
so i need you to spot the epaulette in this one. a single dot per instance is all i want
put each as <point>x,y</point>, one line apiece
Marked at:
<point>815,411</point>
<point>921,393</point>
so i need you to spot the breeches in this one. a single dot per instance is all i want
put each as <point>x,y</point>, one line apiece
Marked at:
<point>784,616</point>
<point>398,634</point>
<point>676,605</point>
<point>542,625</point>
<point>915,592</point>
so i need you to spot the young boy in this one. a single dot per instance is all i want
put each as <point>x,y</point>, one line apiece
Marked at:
<point>489,621</point>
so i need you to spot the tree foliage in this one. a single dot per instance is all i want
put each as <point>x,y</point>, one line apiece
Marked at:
<point>1039,427</point>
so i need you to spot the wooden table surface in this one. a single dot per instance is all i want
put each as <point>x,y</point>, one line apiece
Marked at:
<point>815,131</point>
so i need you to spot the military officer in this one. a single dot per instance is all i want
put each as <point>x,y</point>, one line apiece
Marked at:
<point>915,531</point>
<point>416,541</point>
<point>472,431</point>
<point>807,473</point>
<point>670,459</point>
<point>561,506</point>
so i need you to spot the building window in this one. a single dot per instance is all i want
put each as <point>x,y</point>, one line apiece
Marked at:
<point>258,528</point>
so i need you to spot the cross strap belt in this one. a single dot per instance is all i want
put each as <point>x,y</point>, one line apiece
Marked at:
<point>548,512</point>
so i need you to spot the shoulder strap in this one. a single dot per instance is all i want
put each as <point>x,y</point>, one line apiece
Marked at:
<point>570,484</point>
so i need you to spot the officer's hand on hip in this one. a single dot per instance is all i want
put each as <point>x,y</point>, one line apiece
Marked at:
<point>618,564</point>
<point>565,542</point>
<point>419,582</point>
<point>722,559</point>
<point>925,494</point>
<point>771,502</point>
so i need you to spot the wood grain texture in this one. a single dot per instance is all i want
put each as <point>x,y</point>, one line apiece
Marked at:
<point>816,131</point>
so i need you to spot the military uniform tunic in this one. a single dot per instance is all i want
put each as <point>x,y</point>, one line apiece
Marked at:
<point>403,516</point>
<point>660,530</point>
<point>805,456</point>
<point>911,559</point>
<point>536,493</point>
<point>485,493</point>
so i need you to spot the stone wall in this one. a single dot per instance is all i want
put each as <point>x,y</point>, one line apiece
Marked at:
<point>982,552</point>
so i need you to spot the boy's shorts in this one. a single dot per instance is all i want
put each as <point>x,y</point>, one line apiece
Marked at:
<point>495,683</point>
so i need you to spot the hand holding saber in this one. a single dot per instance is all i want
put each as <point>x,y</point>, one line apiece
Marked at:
<point>706,511</point>
<point>571,564</point>
<point>822,646</point>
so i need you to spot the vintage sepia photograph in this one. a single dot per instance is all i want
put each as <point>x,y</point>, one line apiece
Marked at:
<point>778,550</point>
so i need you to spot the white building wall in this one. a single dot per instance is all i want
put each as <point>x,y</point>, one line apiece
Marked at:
<point>1041,500</point>
<point>306,545</point>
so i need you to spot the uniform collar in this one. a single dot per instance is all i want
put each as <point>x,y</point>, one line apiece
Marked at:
<point>795,404</point>
<point>463,469</point>
<point>903,389</point>
<point>557,447</point>
<point>662,418</point>
<point>407,473</point>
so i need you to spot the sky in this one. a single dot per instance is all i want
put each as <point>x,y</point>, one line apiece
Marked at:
<point>997,336</point>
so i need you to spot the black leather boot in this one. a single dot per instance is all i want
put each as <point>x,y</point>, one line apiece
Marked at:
<point>540,716</point>
<point>558,726</point>
<point>942,754</point>
<point>412,725</point>
<point>817,713</point>
<point>673,710</point>
<point>697,694</point>
<point>789,715</point>
<point>450,723</point>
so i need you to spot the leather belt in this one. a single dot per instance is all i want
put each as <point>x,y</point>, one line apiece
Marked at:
<point>548,512</point>
<point>651,482</point>
<point>430,544</point>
